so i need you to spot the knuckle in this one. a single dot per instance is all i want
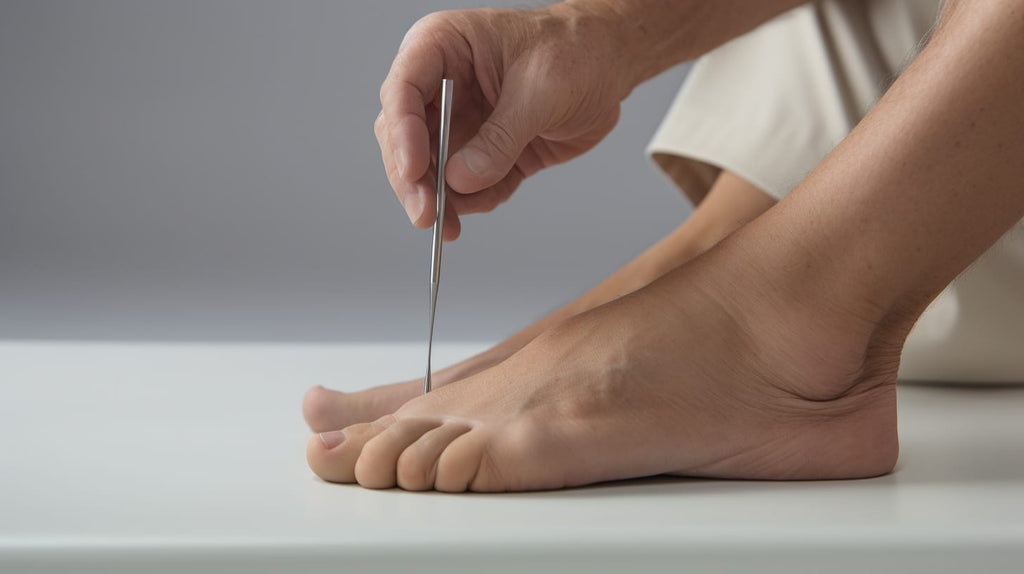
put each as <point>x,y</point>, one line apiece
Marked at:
<point>424,27</point>
<point>498,137</point>
<point>430,21</point>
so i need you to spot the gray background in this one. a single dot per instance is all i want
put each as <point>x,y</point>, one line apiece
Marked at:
<point>199,170</point>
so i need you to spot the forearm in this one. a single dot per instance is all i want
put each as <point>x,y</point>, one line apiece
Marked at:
<point>654,35</point>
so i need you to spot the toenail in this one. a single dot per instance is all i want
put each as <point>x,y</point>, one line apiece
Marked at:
<point>332,438</point>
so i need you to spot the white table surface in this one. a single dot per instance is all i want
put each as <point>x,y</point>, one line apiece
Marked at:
<point>153,458</point>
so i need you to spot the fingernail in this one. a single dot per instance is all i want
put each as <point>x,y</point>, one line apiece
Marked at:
<point>332,438</point>
<point>476,161</point>
<point>414,204</point>
<point>401,163</point>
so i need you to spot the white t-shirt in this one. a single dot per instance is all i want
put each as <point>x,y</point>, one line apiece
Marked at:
<point>770,105</point>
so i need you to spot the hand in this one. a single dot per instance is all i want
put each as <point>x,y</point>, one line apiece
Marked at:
<point>532,89</point>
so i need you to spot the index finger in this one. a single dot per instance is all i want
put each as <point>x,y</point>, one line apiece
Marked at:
<point>411,84</point>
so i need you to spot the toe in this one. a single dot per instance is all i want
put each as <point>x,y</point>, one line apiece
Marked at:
<point>378,460</point>
<point>325,409</point>
<point>416,468</point>
<point>333,456</point>
<point>460,462</point>
<point>319,407</point>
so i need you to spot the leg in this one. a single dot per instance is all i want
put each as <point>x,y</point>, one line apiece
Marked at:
<point>774,355</point>
<point>730,203</point>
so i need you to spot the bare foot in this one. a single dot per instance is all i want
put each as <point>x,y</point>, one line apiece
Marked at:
<point>710,371</point>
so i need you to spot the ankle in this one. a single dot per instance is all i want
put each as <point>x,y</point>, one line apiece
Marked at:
<point>821,332</point>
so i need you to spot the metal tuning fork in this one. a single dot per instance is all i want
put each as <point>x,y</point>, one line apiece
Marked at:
<point>435,261</point>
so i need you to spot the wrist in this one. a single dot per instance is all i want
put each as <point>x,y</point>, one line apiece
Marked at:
<point>608,35</point>
<point>647,36</point>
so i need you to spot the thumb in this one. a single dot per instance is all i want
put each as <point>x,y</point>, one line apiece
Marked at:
<point>488,157</point>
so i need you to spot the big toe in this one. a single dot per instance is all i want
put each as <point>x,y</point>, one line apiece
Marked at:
<point>326,410</point>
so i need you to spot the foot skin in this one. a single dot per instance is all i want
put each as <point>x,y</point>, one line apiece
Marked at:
<point>326,410</point>
<point>689,376</point>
